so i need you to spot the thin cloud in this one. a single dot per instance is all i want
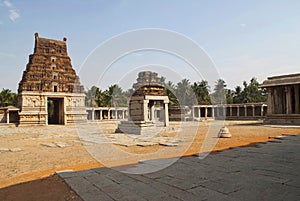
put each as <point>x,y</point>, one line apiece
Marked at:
<point>13,15</point>
<point>8,4</point>
<point>13,12</point>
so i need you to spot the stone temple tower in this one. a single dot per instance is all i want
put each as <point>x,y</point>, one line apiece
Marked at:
<point>50,91</point>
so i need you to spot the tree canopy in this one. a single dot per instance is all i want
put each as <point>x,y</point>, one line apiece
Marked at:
<point>114,96</point>
<point>182,93</point>
<point>219,94</point>
<point>7,97</point>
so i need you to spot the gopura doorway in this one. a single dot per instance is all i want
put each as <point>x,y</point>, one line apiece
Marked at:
<point>55,110</point>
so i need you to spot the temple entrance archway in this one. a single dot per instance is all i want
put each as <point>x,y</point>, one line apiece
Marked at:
<point>55,110</point>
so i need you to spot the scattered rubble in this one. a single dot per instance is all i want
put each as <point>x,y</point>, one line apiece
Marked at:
<point>3,149</point>
<point>17,149</point>
<point>62,144</point>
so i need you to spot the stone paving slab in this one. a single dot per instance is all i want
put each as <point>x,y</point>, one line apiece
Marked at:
<point>267,171</point>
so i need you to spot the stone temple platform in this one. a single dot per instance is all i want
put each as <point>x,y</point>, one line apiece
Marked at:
<point>266,171</point>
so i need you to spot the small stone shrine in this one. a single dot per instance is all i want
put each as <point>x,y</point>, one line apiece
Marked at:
<point>50,91</point>
<point>283,99</point>
<point>148,93</point>
<point>224,132</point>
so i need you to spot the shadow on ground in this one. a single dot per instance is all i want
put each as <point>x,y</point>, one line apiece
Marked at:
<point>49,188</point>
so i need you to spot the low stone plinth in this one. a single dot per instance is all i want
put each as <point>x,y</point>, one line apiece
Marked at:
<point>139,128</point>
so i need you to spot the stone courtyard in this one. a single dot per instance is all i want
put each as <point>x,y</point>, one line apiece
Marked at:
<point>261,172</point>
<point>45,151</point>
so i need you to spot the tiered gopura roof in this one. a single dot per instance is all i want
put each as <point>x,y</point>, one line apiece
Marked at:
<point>49,69</point>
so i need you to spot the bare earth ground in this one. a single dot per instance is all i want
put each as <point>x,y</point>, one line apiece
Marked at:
<point>33,153</point>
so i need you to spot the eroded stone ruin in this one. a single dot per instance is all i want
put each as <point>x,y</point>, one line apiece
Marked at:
<point>148,93</point>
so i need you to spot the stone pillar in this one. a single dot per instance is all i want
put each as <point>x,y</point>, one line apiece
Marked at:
<point>145,108</point>
<point>93,113</point>
<point>297,99</point>
<point>262,110</point>
<point>206,112</point>
<point>288,100</point>
<point>199,112</point>
<point>7,116</point>
<point>108,114</point>
<point>64,111</point>
<point>123,114</point>
<point>275,99</point>
<point>101,114</point>
<point>245,109</point>
<point>213,112</point>
<point>253,110</point>
<point>166,114</point>
<point>116,114</point>
<point>270,101</point>
<point>238,111</point>
<point>230,110</point>
<point>193,112</point>
<point>152,116</point>
<point>46,109</point>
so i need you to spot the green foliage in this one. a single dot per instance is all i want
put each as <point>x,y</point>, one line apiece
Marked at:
<point>219,94</point>
<point>8,98</point>
<point>112,97</point>
<point>170,91</point>
<point>229,96</point>
<point>201,90</point>
<point>250,94</point>
<point>116,97</point>
<point>183,93</point>
<point>90,95</point>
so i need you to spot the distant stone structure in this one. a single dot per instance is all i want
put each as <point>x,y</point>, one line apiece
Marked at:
<point>283,99</point>
<point>243,111</point>
<point>148,90</point>
<point>106,113</point>
<point>9,115</point>
<point>148,93</point>
<point>50,91</point>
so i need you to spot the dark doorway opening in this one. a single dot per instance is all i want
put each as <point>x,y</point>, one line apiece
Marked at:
<point>55,110</point>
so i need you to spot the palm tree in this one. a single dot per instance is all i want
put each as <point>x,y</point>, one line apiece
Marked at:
<point>170,91</point>
<point>115,96</point>
<point>8,98</point>
<point>90,96</point>
<point>219,95</point>
<point>201,90</point>
<point>185,93</point>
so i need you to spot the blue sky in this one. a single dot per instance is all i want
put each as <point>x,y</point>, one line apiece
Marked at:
<point>243,38</point>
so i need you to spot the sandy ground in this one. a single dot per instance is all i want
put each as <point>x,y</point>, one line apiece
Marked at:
<point>32,153</point>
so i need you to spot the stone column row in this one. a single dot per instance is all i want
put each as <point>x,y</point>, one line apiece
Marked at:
<point>108,113</point>
<point>197,110</point>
